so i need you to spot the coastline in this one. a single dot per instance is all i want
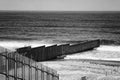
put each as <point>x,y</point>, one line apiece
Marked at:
<point>72,67</point>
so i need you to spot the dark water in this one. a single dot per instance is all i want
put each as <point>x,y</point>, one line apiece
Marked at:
<point>19,29</point>
<point>60,26</point>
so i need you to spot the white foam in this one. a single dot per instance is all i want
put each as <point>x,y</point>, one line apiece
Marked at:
<point>12,45</point>
<point>102,52</point>
<point>109,48</point>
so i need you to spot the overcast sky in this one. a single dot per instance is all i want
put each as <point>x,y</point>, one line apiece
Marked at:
<point>61,5</point>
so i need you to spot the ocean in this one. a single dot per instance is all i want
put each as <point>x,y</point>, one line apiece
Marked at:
<point>19,29</point>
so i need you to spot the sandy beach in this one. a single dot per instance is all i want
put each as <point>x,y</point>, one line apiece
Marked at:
<point>74,67</point>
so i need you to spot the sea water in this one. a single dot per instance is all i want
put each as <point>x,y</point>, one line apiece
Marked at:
<point>19,29</point>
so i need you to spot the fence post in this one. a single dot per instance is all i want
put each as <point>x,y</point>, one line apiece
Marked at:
<point>47,77</point>
<point>54,75</point>
<point>12,63</point>
<point>42,72</point>
<point>6,64</point>
<point>23,68</point>
<point>50,74</point>
<point>29,69</point>
<point>15,66</point>
<point>37,73</point>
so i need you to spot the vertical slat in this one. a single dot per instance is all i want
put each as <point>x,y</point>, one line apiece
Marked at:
<point>48,78</point>
<point>31,67</point>
<point>20,70</point>
<point>50,71</point>
<point>26,68</point>
<point>35,71</point>
<point>43,54</point>
<point>42,72</point>
<point>23,69</point>
<point>14,68</point>
<point>52,74</point>
<point>10,64</point>
<point>29,70</point>
<point>15,71</point>
<point>6,64</point>
<point>47,73</point>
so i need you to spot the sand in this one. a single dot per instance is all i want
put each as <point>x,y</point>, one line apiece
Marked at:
<point>75,70</point>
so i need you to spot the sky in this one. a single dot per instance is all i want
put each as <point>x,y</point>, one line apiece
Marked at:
<point>61,5</point>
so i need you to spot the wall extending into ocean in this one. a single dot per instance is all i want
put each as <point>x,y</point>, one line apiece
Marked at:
<point>43,53</point>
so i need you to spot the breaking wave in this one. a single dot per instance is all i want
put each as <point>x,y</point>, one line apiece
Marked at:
<point>104,52</point>
<point>12,45</point>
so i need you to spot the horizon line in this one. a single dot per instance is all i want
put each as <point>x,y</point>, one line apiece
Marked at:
<point>62,10</point>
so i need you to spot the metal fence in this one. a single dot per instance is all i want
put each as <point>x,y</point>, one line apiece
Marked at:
<point>14,66</point>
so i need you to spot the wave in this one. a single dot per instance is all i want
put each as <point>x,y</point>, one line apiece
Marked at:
<point>12,45</point>
<point>102,41</point>
<point>104,52</point>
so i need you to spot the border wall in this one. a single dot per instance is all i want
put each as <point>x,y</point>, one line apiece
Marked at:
<point>37,53</point>
<point>43,53</point>
<point>51,52</point>
<point>62,49</point>
<point>82,46</point>
<point>14,66</point>
<point>23,49</point>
